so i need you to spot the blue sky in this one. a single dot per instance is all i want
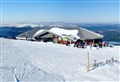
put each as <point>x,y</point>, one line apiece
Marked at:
<point>76,11</point>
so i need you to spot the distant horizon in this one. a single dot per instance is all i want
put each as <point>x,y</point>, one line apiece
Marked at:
<point>61,22</point>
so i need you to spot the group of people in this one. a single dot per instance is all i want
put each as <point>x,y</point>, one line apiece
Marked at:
<point>81,44</point>
<point>61,40</point>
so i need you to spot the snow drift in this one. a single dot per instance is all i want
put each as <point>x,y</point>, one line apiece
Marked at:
<point>24,61</point>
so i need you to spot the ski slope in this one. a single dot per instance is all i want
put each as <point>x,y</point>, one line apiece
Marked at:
<point>25,61</point>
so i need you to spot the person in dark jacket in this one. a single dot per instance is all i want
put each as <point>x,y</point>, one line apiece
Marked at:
<point>79,43</point>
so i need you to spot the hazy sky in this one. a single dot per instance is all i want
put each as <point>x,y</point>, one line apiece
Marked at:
<point>79,11</point>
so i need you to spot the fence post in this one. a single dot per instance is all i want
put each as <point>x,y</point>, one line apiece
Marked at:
<point>87,62</point>
<point>95,64</point>
<point>112,59</point>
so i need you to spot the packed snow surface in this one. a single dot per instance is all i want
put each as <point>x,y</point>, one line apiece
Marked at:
<point>25,61</point>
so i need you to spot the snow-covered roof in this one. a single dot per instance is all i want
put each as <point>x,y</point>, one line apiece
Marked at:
<point>62,32</point>
<point>38,32</point>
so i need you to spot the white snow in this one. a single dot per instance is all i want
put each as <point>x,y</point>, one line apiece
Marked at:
<point>62,32</point>
<point>20,25</point>
<point>39,31</point>
<point>26,24</point>
<point>47,62</point>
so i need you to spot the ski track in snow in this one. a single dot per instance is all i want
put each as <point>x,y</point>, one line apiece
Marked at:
<point>25,61</point>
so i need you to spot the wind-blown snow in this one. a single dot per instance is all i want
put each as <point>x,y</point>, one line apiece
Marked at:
<point>39,31</point>
<point>47,62</point>
<point>60,32</point>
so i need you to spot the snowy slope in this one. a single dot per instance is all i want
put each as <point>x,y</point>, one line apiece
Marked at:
<point>37,62</point>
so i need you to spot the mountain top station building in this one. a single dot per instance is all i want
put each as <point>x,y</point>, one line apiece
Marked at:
<point>60,35</point>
